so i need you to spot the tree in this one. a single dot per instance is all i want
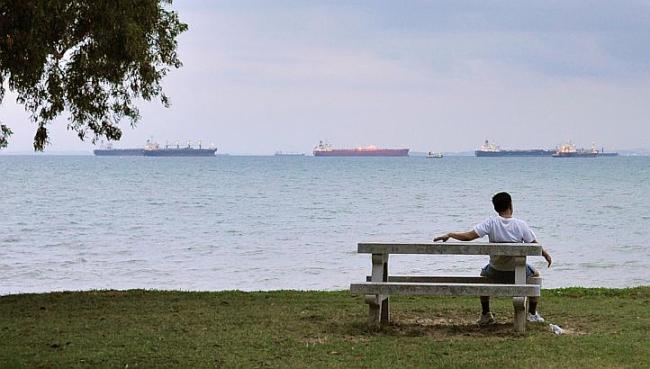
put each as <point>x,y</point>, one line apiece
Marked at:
<point>90,58</point>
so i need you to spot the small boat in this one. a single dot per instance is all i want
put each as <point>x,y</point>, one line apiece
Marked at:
<point>282,153</point>
<point>434,155</point>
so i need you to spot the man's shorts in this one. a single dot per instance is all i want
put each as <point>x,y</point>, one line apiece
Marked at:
<point>506,277</point>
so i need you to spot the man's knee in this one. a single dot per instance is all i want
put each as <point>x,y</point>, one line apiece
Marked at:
<point>531,272</point>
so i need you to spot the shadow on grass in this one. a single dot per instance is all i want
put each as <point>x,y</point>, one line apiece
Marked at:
<point>433,328</point>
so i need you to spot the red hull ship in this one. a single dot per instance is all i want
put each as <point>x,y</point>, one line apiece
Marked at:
<point>324,149</point>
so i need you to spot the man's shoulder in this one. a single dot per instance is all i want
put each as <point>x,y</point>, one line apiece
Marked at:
<point>491,220</point>
<point>522,225</point>
<point>500,222</point>
<point>520,221</point>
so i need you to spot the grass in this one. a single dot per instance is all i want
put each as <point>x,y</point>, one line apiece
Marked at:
<point>606,328</point>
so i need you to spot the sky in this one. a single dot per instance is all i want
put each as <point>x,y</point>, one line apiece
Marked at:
<point>262,76</point>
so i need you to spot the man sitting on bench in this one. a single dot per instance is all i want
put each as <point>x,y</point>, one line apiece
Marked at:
<point>502,228</point>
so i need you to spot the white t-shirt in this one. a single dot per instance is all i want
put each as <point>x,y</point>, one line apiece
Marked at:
<point>500,229</point>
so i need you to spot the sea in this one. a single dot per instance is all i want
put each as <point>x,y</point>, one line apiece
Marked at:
<point>268,223</point>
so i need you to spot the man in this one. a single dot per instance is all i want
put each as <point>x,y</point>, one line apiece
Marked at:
<point>502,228</point>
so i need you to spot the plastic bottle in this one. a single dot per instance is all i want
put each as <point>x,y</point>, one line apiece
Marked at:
<point>556,329</point>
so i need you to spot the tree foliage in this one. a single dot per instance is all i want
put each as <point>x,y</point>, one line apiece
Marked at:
<point>90,58</point>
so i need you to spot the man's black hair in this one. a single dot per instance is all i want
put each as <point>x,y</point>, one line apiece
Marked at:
<point>502,202</point>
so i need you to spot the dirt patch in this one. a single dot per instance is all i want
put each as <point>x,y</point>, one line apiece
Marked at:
<point>432,321</point>
<point>444,327</point>
<point>356,339</point>
<point>313,341</point>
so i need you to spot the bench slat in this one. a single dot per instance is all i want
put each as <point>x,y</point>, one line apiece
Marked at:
<point>448,279</point>
<point>445,289</point>
<point>452,248</point>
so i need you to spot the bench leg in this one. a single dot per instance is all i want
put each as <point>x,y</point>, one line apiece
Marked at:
<point>385,312</point>
<point>378,312</point>
<point>378,305</point>
<point>374,312</point>
<point>520,314</point>
<point>520,302</point>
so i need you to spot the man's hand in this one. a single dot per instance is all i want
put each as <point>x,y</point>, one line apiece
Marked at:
<point>442,238</point>
<point>547,257</point>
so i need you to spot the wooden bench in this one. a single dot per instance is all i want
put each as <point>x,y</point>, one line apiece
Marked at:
<point>380,285</point>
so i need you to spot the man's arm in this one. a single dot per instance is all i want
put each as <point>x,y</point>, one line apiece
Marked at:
<point>460,236</point>
<point>546,256</point>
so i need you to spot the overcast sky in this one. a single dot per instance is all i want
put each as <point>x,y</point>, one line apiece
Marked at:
<point>261,76</point>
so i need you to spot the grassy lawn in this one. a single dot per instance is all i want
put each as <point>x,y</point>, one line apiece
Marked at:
<point>606,328</point>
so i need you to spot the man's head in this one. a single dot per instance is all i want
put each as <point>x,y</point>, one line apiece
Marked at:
<point>502,202</point>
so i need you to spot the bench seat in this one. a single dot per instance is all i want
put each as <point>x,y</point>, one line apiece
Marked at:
<point>445,289</point>
<point>449,279</point>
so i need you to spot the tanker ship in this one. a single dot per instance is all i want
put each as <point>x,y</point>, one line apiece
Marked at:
<point>323,149</point>
<point>491,150</point>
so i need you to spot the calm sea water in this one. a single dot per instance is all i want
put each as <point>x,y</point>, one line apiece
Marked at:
<point>260,223</point>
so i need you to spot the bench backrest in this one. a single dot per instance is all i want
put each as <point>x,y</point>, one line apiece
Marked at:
<point>452,248</point>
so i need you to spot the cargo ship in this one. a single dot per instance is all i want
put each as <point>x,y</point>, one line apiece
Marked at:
<point>324,149</point>
<point>153,149</point>
<point>491,150</point>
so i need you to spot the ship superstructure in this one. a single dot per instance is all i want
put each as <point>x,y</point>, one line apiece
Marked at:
<point>153,149</point>
<point>569,150</point>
